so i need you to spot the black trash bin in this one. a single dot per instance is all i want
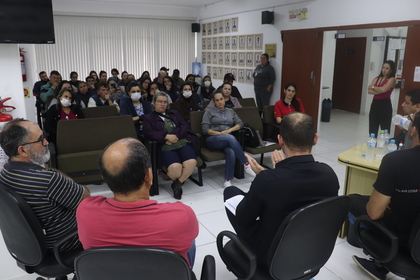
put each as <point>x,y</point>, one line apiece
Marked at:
<point>326,110</point>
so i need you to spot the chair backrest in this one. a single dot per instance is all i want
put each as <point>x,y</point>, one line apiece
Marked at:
<point>250,116</point>
<point>414,242</point>
<point>306,238</point>
<point>100,112</point>
<point>129,263</point>
<point>247,102</point>
<point>195,122</point>
<point>268,113</point>
<point>83,135</point>
<point>21,229</point>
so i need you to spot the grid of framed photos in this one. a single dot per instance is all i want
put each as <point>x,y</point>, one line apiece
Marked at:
<point>223,53</point>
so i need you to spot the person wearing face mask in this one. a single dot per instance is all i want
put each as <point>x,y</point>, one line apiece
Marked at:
<point>206,88</point>
<point>65,109</point>
<point>134,105</point>
<point>62,85</point>
<point>186,103</point>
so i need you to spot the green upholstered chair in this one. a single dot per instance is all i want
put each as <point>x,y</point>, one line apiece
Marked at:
<point>100,112</point>
<point>247,102</point>
<point>272,129</point>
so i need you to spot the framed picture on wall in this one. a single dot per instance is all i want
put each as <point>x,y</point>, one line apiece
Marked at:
<point>258,41</point>
<point>221,41</point>
<point>215,43</point>
<point>214,55</point>
<point>203,57</point>
<point>241,42</point>
<point>257,59</point>
<point>227,43</point>
<point>215,27</point>
<point>227,58</point>
<point>234,42</point>
<point>227,71</point>
<point>220,73</point>
<point>209,29</point>
<point>248,78</point>
<point>241,59</point>
<point>234,27</point>
<point>214,69</point>
<point>209,44</point>
<point>249,59</point>
<point>209,70</point>
<point>204,44</point>
<point>234,58</point>
<point>220,58</point>
<point>208,58</point>
<point>241,75</point>
<point>204,29</point>
<point>234,72</point>
<point>250,42</point>
<point>227,25</point>
<point>221,26</point>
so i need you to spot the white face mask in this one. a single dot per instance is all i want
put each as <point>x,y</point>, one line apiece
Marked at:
<point>187,94</point>
<point>65,102</point>
<point>207,83</point>
<point>135,96</point>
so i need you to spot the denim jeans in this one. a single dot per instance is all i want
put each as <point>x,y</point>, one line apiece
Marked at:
<point>231,148</point>
<point>191,254</point>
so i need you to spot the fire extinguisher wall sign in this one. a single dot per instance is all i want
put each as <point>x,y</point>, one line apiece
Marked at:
<point>22,63</point>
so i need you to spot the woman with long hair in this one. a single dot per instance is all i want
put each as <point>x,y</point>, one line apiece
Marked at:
<point>290,103</point>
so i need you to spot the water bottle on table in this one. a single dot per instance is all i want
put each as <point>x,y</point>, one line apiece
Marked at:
<point>392,147</point>
<point>381,147</point>
<point>370,149</point>
<point>387,137</point>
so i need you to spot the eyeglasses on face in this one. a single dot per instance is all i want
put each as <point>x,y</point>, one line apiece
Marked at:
<point>40,139</point>
<point>161,102</point>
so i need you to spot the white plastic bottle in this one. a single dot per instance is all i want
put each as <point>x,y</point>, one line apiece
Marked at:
<point>380,145</point>
<point>401,121</point>
<point>400,146</point>
<point>387,136</point>
<point>392,147</point>
<point>370,149</point>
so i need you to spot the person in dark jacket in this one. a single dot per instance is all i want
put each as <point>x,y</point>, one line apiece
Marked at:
<point>169,129</point>
<point>134,105</point>
<point>63,110</point>
<point>186,103</point>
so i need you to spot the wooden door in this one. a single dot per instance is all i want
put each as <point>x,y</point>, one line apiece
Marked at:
<point>302,59</point>
<point>348,74</point>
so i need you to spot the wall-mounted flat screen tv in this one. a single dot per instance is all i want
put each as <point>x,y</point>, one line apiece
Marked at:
<point>26,22</point>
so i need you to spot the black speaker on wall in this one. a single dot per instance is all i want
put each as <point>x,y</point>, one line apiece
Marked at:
<point>267,17</point>
<point>195,27</point>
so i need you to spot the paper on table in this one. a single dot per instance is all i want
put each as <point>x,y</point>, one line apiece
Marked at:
<point>233,202</point>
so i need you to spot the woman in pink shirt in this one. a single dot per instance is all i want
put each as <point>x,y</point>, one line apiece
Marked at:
<point>288,104</point>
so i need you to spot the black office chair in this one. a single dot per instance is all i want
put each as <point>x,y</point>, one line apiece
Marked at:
<point>25,240</point>
<point>301,247</point>
<point>383,245</point>
<point>136,263</point>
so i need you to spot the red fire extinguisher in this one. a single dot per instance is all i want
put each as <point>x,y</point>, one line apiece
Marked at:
<point>22,63</point>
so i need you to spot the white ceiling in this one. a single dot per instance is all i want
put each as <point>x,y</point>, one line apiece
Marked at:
<point>178,3</point>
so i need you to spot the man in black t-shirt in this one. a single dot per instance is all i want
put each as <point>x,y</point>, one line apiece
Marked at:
<point>396,195</point>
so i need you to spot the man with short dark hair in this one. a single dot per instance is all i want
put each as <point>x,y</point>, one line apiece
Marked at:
<point>295,181</point>
<point>410,105</point>
<point>103,98</point>
<point>53,197</point>
<point>130,218</point>
<point>177,79</point>
<point>49,88</point>
<point>43,79</point>
<point>395,199</point>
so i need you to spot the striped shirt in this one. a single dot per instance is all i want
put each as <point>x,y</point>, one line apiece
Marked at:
<point>53,197</point>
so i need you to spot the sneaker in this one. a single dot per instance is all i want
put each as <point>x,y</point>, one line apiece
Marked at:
<point>227,183</point>
<point>177,189</point>
<point>369,266</point>
<point>249,170</point>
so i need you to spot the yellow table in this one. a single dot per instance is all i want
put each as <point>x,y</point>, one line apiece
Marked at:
<point>360,174</point>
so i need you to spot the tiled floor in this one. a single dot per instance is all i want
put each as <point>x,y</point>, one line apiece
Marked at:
<point>344,131</point>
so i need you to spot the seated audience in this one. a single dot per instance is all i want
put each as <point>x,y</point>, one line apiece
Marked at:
<point>153,89</point>
<point>49,87</point>
<point>103,98</point>
<point>74,80</point>
<point>61,85</point>
<point>90,82</point>
<point>83,93</point>
<point>144,75</point>
<point>230,101</point>
<point>229,78</point>
<point>52,195</point>
<point>144,87</point>
<point>170,131</point>
<point>159,79</point>
<point>290,103</point>
<point>296,180</point>
<point>64,109</point>
<point>177,79</point>
<point>410,105</point>
<point>94,75</point>
<point>130,218</point>
<point>395,199</point>
<point>115,73</point>
<point>134,105</point>
<point>43,79</point>
<point>218,124</point>
<point>103,76</point>
<point>124,80</point>
<point>170,88</point>
<point>206,89</point>
<point>186,103</point>
<point>115,90</point>
<point>191,79</point>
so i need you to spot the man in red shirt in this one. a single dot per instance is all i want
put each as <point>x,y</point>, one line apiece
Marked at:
<point>130,218</point>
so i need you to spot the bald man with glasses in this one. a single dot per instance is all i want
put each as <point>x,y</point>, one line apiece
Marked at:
<point>53,196</point>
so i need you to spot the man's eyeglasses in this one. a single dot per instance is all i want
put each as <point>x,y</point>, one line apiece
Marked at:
<point>41,139</point>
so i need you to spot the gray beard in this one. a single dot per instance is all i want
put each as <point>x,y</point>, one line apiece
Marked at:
<point>40,159</point>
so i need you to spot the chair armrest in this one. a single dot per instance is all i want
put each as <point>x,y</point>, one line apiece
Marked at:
<point>58,244</point>
<point>197,142</point>
<point>208,272</point>
<point>266,125</point>
<point>243,250</point>
<point>376,239</point>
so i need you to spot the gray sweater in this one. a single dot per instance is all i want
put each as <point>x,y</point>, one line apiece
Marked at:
<point>219,120</point>
<point>264,76</point>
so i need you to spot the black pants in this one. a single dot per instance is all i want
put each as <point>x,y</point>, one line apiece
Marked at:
<point>380,114</point>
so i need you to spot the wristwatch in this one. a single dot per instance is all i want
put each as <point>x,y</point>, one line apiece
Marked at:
<point>373,87</point>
